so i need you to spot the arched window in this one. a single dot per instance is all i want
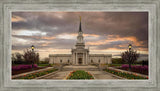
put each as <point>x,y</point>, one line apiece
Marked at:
<point>68,60</point>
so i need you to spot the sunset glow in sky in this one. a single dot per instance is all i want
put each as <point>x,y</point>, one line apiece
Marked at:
<point>56,32</point>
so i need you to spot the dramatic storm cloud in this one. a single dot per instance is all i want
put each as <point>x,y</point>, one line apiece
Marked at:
<point>56,32</point>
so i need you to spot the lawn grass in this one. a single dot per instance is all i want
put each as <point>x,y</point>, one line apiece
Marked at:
<point>115,65</point>
<point>43,65</point>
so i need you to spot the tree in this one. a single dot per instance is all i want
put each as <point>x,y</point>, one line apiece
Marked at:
<point>31,56</point>
<point>130,57</point>
<point>46,59</point>
<point>17,58</point>
<point>13,58</point>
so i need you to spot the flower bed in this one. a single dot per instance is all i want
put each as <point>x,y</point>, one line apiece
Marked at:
<point>136,68</point>
<point>125,75</point>
<point>23,67</point>
<point>79,74</point>
<point>37,74</point>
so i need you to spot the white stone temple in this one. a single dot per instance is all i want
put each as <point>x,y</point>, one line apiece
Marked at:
<point>80,55</point>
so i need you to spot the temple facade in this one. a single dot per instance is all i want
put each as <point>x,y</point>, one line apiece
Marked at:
<point>80,55</point>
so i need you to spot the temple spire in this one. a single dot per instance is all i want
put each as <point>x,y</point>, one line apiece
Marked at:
<point>80,30</point>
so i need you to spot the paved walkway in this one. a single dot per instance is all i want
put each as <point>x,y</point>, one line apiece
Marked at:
<point>60,75</point>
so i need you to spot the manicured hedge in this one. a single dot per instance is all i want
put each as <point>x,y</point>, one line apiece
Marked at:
<point>44,65</point>
<point>23,67</point>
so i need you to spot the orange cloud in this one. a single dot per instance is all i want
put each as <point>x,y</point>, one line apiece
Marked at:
<point>96,43</point>
<point>17,18</point>
<point>45,44</point>
<point>48,38</point>
<point>112,38</point>
<point>93,35</point>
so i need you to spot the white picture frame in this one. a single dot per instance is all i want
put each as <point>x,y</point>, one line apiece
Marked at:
<point>8,6</point>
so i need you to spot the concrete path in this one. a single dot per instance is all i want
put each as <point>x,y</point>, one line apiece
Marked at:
<point>92,69</point>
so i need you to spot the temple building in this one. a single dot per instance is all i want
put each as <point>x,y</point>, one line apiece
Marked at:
<point>80,55</point>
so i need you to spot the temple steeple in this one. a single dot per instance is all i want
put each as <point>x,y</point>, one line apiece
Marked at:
<point>80,41</point>
<point>80,29</point>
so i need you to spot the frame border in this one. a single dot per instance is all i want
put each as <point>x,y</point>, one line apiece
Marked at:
<point>6,7</point>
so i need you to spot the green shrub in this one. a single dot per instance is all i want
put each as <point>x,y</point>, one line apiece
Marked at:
<point>43,65</point>
<point>117,61</point>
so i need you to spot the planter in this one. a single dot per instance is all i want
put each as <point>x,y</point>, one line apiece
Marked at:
<point>79,74</point>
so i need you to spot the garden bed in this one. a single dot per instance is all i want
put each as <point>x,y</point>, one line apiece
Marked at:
<point>14,72</point>
<point>36,74</point>
<point>124,74</point>
<point>136,68</point>
<point>79,74</point>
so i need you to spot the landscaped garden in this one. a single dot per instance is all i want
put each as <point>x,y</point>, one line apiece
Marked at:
<point>22,68</point>
<point>124,74</point>
<point>136,68</point>
<point>142,69</point>
<point>36,74</point>
<point>128,67</point>
<point>79,74</point>
<point>22,62</point>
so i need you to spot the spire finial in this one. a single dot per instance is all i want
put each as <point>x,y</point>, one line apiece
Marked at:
<point>80,30</point>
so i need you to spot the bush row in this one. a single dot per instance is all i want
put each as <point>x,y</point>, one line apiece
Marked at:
<point>23,67</point>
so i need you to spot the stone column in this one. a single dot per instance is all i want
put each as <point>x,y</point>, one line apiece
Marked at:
<point>86,58</point>
<point>72,58</point>
<point>76,59</point>
<point>83,59</point>
<point>105,61</point>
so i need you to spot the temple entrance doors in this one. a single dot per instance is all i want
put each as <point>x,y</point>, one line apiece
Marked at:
<point>79,61</point>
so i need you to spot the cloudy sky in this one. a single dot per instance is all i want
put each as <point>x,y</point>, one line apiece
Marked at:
<point>56,32</point>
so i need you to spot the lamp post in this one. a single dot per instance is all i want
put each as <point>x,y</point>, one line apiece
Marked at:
<point>32,47</point>
<point>130,47</point>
